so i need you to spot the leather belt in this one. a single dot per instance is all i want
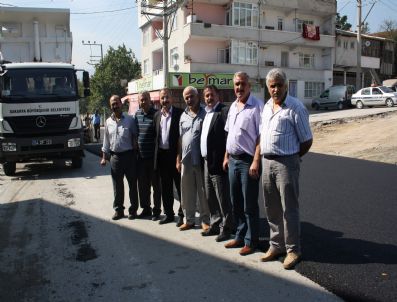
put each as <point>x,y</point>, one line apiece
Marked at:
<point>241,156</point>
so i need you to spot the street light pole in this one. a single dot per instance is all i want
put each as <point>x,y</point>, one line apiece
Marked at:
<point>358,70</point>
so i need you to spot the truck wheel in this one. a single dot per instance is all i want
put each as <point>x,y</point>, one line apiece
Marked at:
<point>9,168</point>
<point>77,162</point>
<point>340,106</point>
<point>316,107</point>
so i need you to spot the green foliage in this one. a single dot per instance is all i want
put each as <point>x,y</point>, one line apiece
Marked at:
<point>365,28</point>
<point>341,22</point>
<point>117,65</point>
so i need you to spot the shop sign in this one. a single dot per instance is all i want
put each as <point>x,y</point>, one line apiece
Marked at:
<point>144,84</point>
<point>200,80</point>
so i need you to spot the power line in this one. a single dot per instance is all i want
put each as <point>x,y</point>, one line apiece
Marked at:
<point>104,11</point>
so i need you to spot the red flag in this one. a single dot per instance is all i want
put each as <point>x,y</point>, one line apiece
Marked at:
<point>311,32</point>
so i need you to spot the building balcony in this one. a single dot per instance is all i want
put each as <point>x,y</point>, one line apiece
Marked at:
<point>265,36</point>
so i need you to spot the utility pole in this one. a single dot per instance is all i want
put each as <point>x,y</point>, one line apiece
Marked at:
<point>167,13</point>
<point>94,61</point>
<point>358,70</point>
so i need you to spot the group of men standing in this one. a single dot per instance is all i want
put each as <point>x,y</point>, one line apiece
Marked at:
<point>214,157</point>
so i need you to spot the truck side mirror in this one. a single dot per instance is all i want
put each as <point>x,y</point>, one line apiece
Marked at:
<point>86,79</point>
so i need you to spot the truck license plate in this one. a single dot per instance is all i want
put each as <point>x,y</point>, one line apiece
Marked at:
<point>37,142</point>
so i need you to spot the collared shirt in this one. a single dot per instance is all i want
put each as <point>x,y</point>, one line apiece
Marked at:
<point>243,127</point>
<point>206,128</point>
<point>165,124</point>
<point>190,130</point>
<point>119,135</point>
<point>146,136</point>
<point>283,131</point>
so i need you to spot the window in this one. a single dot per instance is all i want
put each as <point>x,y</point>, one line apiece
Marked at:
<point>244,14</point>
<point>244,52</point>
<point>145,36</point>
<point>365,91</point>
<point>352,44</point>
<point>345,44</point>
<point>280,23</point>
<point>174,56</point>
<point>10,30</point>
<point>146,66</point>
<point>339,43</point>
<point>224,55</point>
<point>174,21</point>
<point>299,24</point>
<point>284,59</point>
<point>376,91</point>
<point>306,60</point>
<point>313,89</point>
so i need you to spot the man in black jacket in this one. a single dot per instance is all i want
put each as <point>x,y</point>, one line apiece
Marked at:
<point>166,145</point>
<point>212,145</point>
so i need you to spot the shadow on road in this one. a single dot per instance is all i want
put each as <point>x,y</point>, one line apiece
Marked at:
<point>326,246</point>
<point>51,252</point>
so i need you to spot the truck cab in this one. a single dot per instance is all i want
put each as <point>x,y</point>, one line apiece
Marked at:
<point>39,114</point>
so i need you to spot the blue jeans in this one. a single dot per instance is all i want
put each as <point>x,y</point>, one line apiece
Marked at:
<point>244,192</point>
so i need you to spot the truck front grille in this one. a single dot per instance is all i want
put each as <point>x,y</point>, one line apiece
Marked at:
<point>40,124</point>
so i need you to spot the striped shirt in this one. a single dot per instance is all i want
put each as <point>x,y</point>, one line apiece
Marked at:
<point>146,136</point>
<point>282,132</point>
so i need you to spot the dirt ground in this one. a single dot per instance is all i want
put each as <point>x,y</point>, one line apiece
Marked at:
<point>371,138</point>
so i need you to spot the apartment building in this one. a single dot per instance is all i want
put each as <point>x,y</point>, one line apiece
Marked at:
<point>35,34</point>
<point>378,58</point>
<point>212,39</point>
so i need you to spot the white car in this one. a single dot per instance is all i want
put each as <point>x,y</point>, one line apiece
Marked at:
<point>374,96</point>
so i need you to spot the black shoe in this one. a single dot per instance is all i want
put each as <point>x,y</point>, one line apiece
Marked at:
<point>145,214</point>
<point>118,215</point>
<point>222,237</point>
<point>166,219</point>
<point>155,217</point>
<point>179,222</point>
<point>210,232</point>
<point>132,216</point>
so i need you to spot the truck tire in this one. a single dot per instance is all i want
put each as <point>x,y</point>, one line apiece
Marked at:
<point>9,168</point>
<point>77,162</point>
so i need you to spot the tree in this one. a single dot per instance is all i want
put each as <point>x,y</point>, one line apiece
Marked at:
<point>117,65</point>
<point>341,22</point>
<point>365,28</point>
<point>390,28</point>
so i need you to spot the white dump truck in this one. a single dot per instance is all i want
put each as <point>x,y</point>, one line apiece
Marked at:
<point>39,113</point>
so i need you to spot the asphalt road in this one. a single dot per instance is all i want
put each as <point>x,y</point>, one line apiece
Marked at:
<point>349,214</point>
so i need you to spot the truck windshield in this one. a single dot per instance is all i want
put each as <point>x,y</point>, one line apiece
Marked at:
<point>39,83</point>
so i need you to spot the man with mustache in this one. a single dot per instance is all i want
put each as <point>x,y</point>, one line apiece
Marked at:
<point>242,159</point>
<point>165,151</point>
<point>189,161</point>
<point>285,138</point>
<point>120,144</point>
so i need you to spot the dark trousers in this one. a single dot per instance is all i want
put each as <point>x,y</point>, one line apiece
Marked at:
<point>97,131</point>
<point>169,176</point>
<point>218,195</point>
<point>244,192</point>
<point>124,164</point>
<point>148,178</point>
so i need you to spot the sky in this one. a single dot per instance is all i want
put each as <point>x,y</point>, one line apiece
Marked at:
<point>114,22</point>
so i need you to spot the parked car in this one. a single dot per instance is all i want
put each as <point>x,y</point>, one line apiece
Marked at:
<point>338,96</point>
<point>374,96</point>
